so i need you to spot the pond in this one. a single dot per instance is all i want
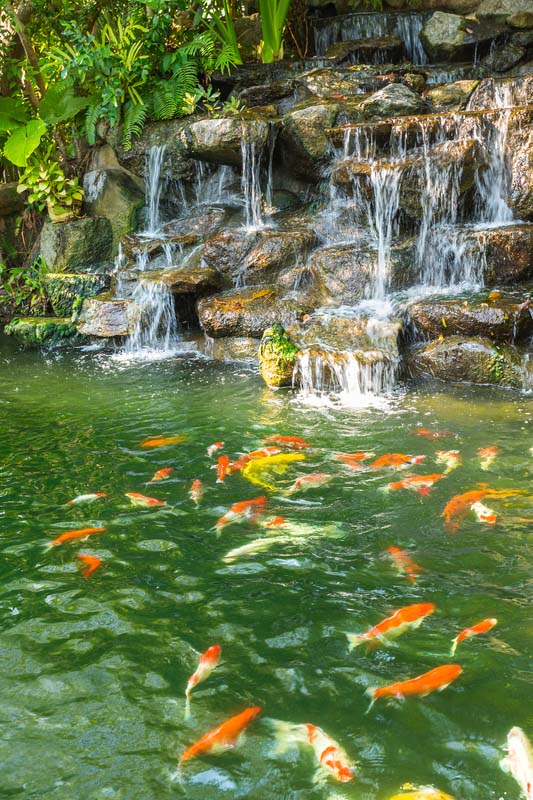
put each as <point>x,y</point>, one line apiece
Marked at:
<point>93,670</point>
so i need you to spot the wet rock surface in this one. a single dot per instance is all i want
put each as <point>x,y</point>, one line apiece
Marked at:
<point>78,245</point>
<point>219,140</point>
<point>64,289</point>
<point>247,312</point>
<point>47,331</point>
<point>106,317</point>
<point>186,280</point>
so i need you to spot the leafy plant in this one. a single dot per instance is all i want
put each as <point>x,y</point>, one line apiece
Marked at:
<point>48,186</point>
<point>220,24</point>
<point>23,287</point>
<point>273,15</point>
<point>233,106</point>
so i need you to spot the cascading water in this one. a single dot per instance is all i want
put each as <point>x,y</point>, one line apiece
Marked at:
<point>154,186</point>
<point>251,181</point>
<point>156,329</point>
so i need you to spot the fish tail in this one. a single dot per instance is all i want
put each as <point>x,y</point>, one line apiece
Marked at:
<point>187,714</point>
<point>354,640</point>
<point>371,692</point>
<point>287,735</point>
<point>454,646</point>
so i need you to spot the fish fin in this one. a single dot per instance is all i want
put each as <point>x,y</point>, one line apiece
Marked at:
<point>454,646</point>
<point>287,735</point>
<point>371,692</point>
<point>424,490</point>
<point>187,714</point>
<point>354,640</point>
<point>504,764</point>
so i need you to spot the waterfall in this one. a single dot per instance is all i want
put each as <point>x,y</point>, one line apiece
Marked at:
<point>157,328</point>
<point>382,212</point>
<point>154,185</point>
<point>251,180</point>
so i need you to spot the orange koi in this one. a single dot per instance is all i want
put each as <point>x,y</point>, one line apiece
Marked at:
<point>404,563</point>
<point>481,627</point>
<point>196,491</point>
<point>163,441</point>
<point>417,483</point>
<point>309,482</point>
<point>222,468</point>
<point>161,474</point>
<point>276,522</point>
<point>431,435</point>
<point>452,459</point>
<point>245,509</point>
<point>223,736</point>
<point>395,625</point>
<point>69,536</point>
<point>433,681</point>
<point>487,455</point>
<point>143,501</point>
<point>360,455</point>
<point>86,498</point>
<point>484,513</point>
<point>207,663</point>
<point>289,441</point>
<point>212,449</point>
<point>92,564</point>
<point>461,504</point>
<point>396,461</point>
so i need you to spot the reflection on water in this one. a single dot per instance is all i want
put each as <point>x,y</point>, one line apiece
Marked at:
<point>93,671</point>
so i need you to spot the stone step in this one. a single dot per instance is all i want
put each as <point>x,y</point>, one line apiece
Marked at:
<point>375,50</point>
<point>47,331</point>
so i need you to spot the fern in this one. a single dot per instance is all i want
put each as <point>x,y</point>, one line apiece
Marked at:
<point>92,115</point>
<point>135,115</point>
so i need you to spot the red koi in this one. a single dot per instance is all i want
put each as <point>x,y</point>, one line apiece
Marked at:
<point>81,533</point>
<point>396,460</point>
<point>395,625</point>
<point>289,441</point>
<point>161,474</point>
<point>245,509</point>
<point>223,736</point>
<point>222,468</point>
<point>145,502</point>
<point>418,483</point>
<point>433,681</point>
<point>163,441</point>
<point>404,563</point>
<point>92,562</point>
<point>481,627</point>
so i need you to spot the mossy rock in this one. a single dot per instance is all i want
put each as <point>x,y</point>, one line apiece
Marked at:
<point>63,289</point>
<point>276,356</point>
<point>39,331</point>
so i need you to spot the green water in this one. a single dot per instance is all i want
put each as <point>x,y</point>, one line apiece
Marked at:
<point>93,671</point>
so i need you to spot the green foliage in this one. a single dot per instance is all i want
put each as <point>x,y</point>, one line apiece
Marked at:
<point>277,339</point>
<point>219,22</point>
<point>23,288</point>
<point>47,185</point>
<point>273,15</point>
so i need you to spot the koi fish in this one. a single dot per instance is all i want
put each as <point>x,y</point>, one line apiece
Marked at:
<point>330,757</point>
<point>431,435</point>
<point>404,563</point>
<point>163,441</point>
<point>481,627</point>
<point>223,736</point>
<point>306,482</point>
<point>143,501</point>
<point>207,663</point>
<point>487,455</point>
<point>396,461</point>
<point>258,470</point>
<point>275,522</point>
<point>433,681</point>
<point>251,548</point>
<point>461,504</point>
<point>421,793</point>
<point>92,564</point>
<point>289,441</point>
<point>161,474</point>
<point>212,449</point>
<point>418,483</point>
<point>86,498</point>
<point>196,491</point>
<point>222,468</point>
<point>452,459</point>
<point>353,460</point>
<point>81,533</point>
<point>519,760</point>
<point>395,625</point>
<point>245,509</point>
<point>484,513</point>
<point>263,452</point>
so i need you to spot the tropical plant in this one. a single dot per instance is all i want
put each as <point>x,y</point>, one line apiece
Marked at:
<point>48,187</point>
<point>22,287</point>
<point>219,23</point>
<point>273,15</point>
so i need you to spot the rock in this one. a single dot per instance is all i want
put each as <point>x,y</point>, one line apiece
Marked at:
<point>266,93</point>
<point>232,348</point>
<point>524,38</point>
<point>347,333</point>
<point>468,360</point>
<point>227,250</point>
<point>116,194</point>
<point>43,331</point>
<point>507,252</point>
<point>63,289</point>
<point>186,280</point>
<point>219,140</point>
<point>248,32</point>
<point>519,150</point>
<point>449,37</point>
<point>78,245</point>
<point>504,57</point>
<point>451,96</point>
<point>502,320</point>
<point>246,312</point>
<point>106,317</point>
<point>348,82</point>
<point>10,200</point>
<point>373,50</point>
<point>155,134</point>
<point>394,100</point>
<point>504,10</point>
<point>276,357</point>
<point>303,139</point>
<point>504,92</point>
<point>453,6</point>
<point>521,19</point>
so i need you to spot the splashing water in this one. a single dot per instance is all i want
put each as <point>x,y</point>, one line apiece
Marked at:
<point>156,330</point>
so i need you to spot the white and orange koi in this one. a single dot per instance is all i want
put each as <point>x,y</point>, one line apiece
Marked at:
<point>306,482</point>
<point>416,483</point>
<point>484,513</point>
<point>393,626</point>
<point>452,459</point>
<point>245,509</point>
<point>404,563</point>
<point>212,449</point>
<point>481,627</point>
<point>161,474</point>
<point>86,498</point>
<point>207,663</point>
<point>144,502</point>
<point>519,760</point>
<point>222,737</point>
<point>487,456</point>
<point>396,461</point>
<point>331,758</point>
<point>196,491</point>
<point>288,441</point>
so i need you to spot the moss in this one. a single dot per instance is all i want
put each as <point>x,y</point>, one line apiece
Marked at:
<point>64,289</point>
<point>277,355</point>
<point>43,331</point>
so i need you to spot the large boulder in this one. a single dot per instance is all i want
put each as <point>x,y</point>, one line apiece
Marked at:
<point>505,10</point>
<point>450,37</point>
<point>303,139</point>
<point>64,290</point>
<point>520,152</point>
<point>220,140</point>
<point>114,193</point>
<point>105,317</point>
<point>394,100</point>
<point>156,134</point>
<point>80,245</point>
<point>232,348</point>
<point>49,331</point>
<point>501,319</point>
<point>507,252</point>
<point>468,360</point>
<point>185,280</point>
<point>451,96</point>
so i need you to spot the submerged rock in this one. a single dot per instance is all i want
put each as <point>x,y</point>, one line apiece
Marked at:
<point>468,360</point>
<point>63,289</point>
<point>232,348</point>
<point>78,245</point>
<point>43,331</point>
<point>107,317</point>
<point>277,355</point>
